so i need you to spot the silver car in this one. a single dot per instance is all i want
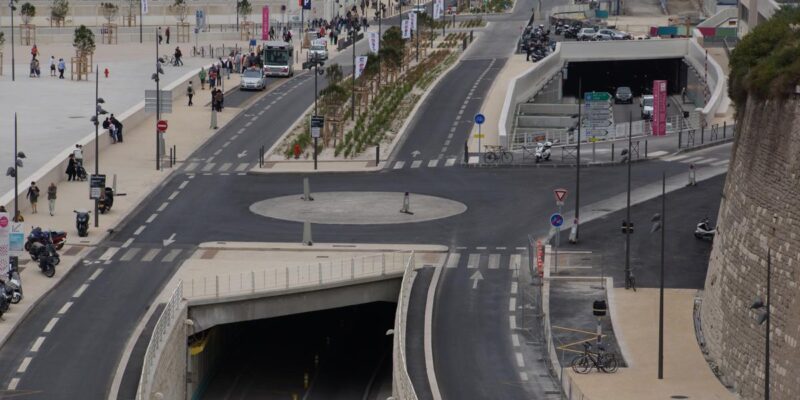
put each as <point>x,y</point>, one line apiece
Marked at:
<point>253,79</point>
<point>317,52</point>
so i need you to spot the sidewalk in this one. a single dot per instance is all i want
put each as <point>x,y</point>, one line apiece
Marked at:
<point>635,318</point>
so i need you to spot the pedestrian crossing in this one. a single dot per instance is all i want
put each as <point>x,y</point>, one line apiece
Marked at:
<point>697,160</point>
<point>228,168</point>
<point>141,254</point>
<point>489,261</point>
<point>416,164</point>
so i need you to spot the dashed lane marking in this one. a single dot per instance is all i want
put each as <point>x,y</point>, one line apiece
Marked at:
<point>707,160</point>
<point>512,322</point>
<point>657,153</point>
<point>151,218</point>
<point>183,184</point>
<point>240,131</point>
<point>130,254</point>
<point>512,304</point>
<point>109,253</point>
<point>96,274</point>
<point>520,360</point>
<point>80,290</point>
<point>163,206</point>
<point>720,163</point>
<point>514,288</point>
<point>226,144</point>
<point>676,158</point>
<point>65,307</point>
<point>37,344</point>
<point>50,325</point>
<point>515,339</point>
<point>452,262</point>
<point>523,376</point>
<point>216,153</point>
<point>24,365</point>
<point>690,160</point>
<point>480,248</point>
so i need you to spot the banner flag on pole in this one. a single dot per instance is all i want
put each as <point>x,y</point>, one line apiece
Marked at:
<point>374,42</point>
<point>405,27</point>
<point>413,17</point>
<point>361,63</point>
<point>144,7</point>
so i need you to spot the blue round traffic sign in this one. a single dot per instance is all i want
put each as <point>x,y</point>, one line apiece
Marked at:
<point>479,118</point>
<point>556,220</point>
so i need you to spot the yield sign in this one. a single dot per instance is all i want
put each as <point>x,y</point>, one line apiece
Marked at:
<point>561,194</point>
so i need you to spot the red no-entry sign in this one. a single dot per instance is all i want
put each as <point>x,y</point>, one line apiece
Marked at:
<point>162,125</point>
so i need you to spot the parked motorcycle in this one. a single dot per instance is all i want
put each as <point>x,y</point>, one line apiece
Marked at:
<point>5,300</point>
<point>14,281</point>
<point>543,151</point>
<point>82,222</point>
<point>59,238</point>
<point>106,201</point>
<point>47,261</point>
<point>38,250</point>
<point>704,230</point>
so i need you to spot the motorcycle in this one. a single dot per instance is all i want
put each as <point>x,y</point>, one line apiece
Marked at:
<point>47,261</point>
<point>704,230</point>
<point>5,300</point>
<point>106,201</point>
<point>82,222</point>
<point>14,283</point>
<point>39,250</point>
<point>543,151</point>
<point>59,238</point>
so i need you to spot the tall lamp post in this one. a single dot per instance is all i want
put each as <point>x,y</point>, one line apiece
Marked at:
<point>11,6</point>
<point>765,313</point>
<point>317,65</point>
<point>353,89</point>
<point>658,224</point>
<point>14,171</point>
<point>416,27</point>
<point>141,12</point>
<point>576,226</point>
<point>628,226</point>
<point>155,77</point>
<point>98,110</point>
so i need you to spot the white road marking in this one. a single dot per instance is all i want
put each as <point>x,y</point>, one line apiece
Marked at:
<point>433,163</point>
<point>65,307</point>
<point>241,174</point>
<point>151,218</point>
<point>480,248</point>
<point>80,290</point>
<point>109,253</point>
<point>512,322</point>
<point>520,360</point>
<point>515,339</point>
<point>657,153</point>
<point>127,243</point>
<point>514,262</point>
<point>163,205</point>
<point>171,256</point>
<point>210,159</point>
<point>151,254</point>
<point>500,248</point>
<point>676,158</point>
<point>240,131</point>
<point>707,160</point>
<point>523,376</point>
<point>399,164</point>
<point>37,344</point>
<point>226,144</point>
<point>130,254</point>
<point>416,164</point>
<point>225,167</point>
<point>183,184</point>
<point>138,230</point>
<point>473,160</point>
<point>512,304</point>
<point>474,260</point>
<point>254,119</point>
<point>444,150</point>
<point>242,167</point>
<point>447,143</point>
<point>720,163</point>
<point>208,167</point>
<point>13,384</point>
<point>494,261</point>
<point>224,174</point>
<point>96,274</point>
<point>248,124</point>
<point>216,153</point>
<point>191,166</point>
<point>259,113</point>
<point>24,365</point>
<point>50,325</point>
<point>450,162</point>
<point>514,287</point>
<point>690,160</point>
<point>452,262</point>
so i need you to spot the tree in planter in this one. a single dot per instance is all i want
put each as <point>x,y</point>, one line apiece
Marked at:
<point>392,49</point>
<point>244,9</point>
<point>27,12</point>
<point>59,11</point>
<point>334,73</point>
<point>180,10</point>
<point>109,11</point>
<point>133,8</point>
<point>83,40</point>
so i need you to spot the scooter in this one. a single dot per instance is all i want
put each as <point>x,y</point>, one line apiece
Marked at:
<point>47,262</point>
<point>59,238</point>
<point>14,283</point>
<point>82,222</point>
<point>704,230</point>
<point>39,250</point>
<point>543,151</point>
<point>5,300</point>
<point>106,201</point>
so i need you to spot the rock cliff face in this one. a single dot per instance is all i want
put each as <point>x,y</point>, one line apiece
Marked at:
<point>763,180</point>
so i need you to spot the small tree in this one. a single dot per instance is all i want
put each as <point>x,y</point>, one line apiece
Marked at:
<point>109,11</point>
<point>180,10</point>
<point>59,11</point>
<point>244,9</point>
<point>392,47</point>
<point>133,6</point>
<point>27,11</point>
<point>334,73</point>
<point>83,40</point>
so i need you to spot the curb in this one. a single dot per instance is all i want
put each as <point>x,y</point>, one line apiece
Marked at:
<point>705,145</point>
<point>338,247</point>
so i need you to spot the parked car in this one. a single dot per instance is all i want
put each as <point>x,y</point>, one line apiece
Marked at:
<point>586,34</point>
<point>623,95</point>
<point>420,9</point>
<point>612,34</point>
<point>317,52</point>
<point>647,106</point>
<point>253,79</point>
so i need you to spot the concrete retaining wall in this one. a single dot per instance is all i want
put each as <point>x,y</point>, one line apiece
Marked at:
<point>547,109</point>
<point>544,121</point>
<point>171,367</point>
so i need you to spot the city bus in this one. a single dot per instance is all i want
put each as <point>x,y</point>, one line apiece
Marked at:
<point>278,58</point>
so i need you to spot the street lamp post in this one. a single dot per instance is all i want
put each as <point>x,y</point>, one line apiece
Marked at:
<point>628,273</point>
<point>659,221</point>
<point>158,104</point>
<point>11,6</point>
<point>98,110</point>
<point>416,28</point>
<point>766,315</point>
<point>141,34</point>
<point>576,225</point>
<point>353,89</point>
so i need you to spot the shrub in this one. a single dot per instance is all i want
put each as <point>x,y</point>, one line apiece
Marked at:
<point>27,11</point>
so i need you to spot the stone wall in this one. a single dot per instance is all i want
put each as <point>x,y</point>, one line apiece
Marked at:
<point>764,180</point>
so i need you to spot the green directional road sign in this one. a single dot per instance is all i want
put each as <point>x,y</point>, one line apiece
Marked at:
<point>597,96</point>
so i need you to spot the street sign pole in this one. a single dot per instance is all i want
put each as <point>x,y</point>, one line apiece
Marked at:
<point>479,120</point>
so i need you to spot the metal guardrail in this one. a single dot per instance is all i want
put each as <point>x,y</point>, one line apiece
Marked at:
<point>161,332</point>
<point>405,389</point>
<point>291,277</point>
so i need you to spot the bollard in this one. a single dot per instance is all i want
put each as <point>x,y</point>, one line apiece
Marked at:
<point>175,154</point>
<point>253,281</point>
<point>680,137</point>
<point>170,157</point>
<point>466,151</point>
<point>724,128</point>
<point>377,154</point>
<point>612,151</point>
<point>470,36</point>
<point>464,44</point>
<point>306,191</point>
<point>702,134</point>
<point>307,234</point>
<point>320,273</point>
<point>645,149</point>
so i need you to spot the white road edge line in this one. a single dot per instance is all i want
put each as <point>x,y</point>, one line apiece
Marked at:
<point>428,334</point>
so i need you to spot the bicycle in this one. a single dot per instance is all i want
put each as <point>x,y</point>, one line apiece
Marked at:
<point>497,154</point>
<point>583,363</point>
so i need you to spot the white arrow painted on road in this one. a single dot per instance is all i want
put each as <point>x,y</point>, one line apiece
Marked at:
<point>415,153</point>
<point>242,154</point>
<point>169,241</point>
<point>477,276</point>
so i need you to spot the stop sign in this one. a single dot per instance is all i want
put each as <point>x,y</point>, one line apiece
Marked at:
<point>162,125</point>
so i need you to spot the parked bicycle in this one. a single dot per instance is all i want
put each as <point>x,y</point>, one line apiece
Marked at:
<point>603,361</point>
<point>497,154</point>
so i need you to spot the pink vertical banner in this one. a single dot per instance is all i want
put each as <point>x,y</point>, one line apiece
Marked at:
<point>265,23</point>
<point>659,108</point>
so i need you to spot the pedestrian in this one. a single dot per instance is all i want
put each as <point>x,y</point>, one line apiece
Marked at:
<point>105,72</point>
<point>34,52</point>
<point>692,177</point>
<point>178,53</point>
<point>202,78</point>
<point>190,93</point>
<point>61,67</point>
<point>112,131</point>
<point>36,69</point>
<point>78,153</point>
<point>33,196</point>
<point>167,34</point>
<point>159,35</point>
<point>71,168</point>
<point>228,67</point>
<point>51,198</point>
<point>212,78</point>
<point>219,99</point>
<point>118,126</point>
<point>32,73</point>
<point>52,66</point>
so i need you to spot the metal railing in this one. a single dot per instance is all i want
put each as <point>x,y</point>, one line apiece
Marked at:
<point>405,389</point>
<point>161,331</point>
<point>299,276</point>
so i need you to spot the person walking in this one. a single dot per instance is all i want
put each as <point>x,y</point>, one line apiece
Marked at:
<point>692,177</point>
<point>212,78</point>
<point>159,35</point>
<point>190,93</point>
<point>202,78</point>
<point>52,66</point>
<point>167,34</point>
<point>118,126</point>
<point>33,196</point>
<point>34,52</point>
<point>71,168</point>
<point>178,54</point>
<point>51,198</point>
<point>61,67</point>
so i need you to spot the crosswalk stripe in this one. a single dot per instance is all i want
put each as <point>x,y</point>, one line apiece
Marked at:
<point>494,261</point>
<point>433,163</point>
<point>242,167</point>
<point>191,166</point>
<point>399,164</point>
<point>720,163</point>
<point>450,162</point>
<point>707,160</point>
<point>171,255</point>
<point>416,164</point>
<point>208,167</point>
<point>514,262</point>
<point>452,261</point>
<point>226,166</point>
<point>109,253</point>
<point>676,158</point>
<point>474,260</point>
<point>657,153</point>
<point>151,254</point>
<point>473,160</point>
<point>130,254</point>
<point>690,160</point>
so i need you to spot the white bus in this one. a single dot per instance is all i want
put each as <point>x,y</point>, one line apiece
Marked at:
<point>278,58</point>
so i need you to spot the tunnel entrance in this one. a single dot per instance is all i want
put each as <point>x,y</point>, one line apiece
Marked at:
<point>607,76</point>
<point>343,353</point>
